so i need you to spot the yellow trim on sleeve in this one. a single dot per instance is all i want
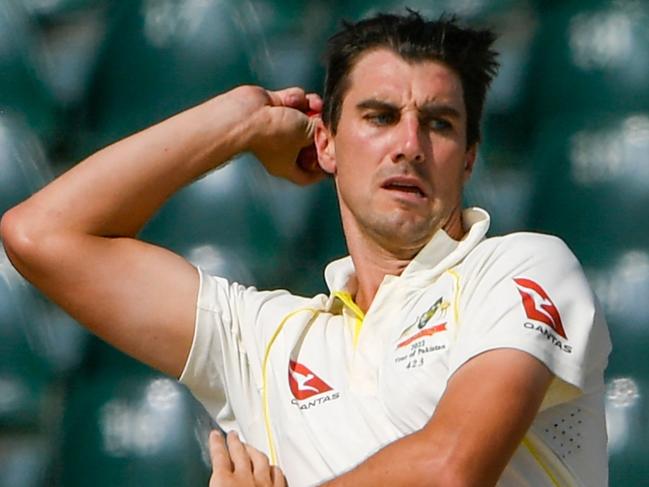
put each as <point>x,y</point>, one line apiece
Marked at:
<point>559,477</point>
<point>264,390</point>
<point>537,456</point>
<point>359,316</point>
<point>556,471</point>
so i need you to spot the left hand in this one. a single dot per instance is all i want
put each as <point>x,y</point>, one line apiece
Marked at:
<point>240,465</point>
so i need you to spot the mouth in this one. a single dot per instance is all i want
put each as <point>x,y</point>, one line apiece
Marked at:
<point>405,184</point>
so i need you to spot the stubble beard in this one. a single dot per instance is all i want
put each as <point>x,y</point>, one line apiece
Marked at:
<point>397,231</point>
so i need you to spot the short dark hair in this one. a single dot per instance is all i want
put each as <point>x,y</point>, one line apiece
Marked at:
<point>465,50</point>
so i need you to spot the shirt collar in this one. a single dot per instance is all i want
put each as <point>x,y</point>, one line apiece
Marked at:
<point>439,254</point>
<point>442,252</point>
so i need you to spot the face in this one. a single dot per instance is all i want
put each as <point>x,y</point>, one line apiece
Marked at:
<point>399,156</point>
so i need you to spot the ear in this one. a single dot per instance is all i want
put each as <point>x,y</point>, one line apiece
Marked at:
<point>469,161</point>
<point>326,148</point>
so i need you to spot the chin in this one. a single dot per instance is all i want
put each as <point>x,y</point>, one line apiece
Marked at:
<point>404,232</point>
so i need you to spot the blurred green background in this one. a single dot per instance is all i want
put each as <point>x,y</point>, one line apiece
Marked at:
<point>566,151</point>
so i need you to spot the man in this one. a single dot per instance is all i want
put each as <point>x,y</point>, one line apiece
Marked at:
<point>440,357</point>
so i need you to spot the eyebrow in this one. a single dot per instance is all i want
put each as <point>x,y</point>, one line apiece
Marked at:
<point>440,110</point>
<point>430,109</point>
<point>374,104</point>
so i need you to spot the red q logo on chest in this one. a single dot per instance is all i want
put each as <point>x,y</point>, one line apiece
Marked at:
<point>303,382</point>
<point>538,305</point>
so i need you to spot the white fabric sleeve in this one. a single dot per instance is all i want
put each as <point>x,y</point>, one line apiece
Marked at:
<point>223,369</point>
<point>528,292</point>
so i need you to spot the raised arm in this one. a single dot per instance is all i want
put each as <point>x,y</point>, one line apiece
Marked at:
<point>76,238</point>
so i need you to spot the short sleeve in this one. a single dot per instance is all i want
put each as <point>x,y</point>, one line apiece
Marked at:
<point>223,371</point>
<point>220,368</point>
<point>528,292</point>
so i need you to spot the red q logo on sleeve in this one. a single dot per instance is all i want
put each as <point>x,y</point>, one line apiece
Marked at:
<point>303,382</point>
<point>538,305</point>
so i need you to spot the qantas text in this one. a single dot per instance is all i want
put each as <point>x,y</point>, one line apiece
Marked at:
<point>309,403</point>
<point>545,331</point>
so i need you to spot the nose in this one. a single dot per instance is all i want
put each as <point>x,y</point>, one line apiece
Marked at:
<point>409,143</point>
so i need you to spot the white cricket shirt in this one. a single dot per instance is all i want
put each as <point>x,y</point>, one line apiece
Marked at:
<point>319,387</point>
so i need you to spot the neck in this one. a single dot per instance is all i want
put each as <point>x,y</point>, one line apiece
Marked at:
<point>372,264</point>
<point>373,261</point>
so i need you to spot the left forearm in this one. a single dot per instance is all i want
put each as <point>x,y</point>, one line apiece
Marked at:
<point>474,431</point>
<point>411,461</point>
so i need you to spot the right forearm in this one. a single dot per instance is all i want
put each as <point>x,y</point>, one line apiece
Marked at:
<point>116,190</point>
<point>139,297</point>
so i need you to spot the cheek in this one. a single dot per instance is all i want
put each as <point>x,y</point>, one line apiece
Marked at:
<point>448,168</point>
<point>360,153</point>
<point>361,136</point>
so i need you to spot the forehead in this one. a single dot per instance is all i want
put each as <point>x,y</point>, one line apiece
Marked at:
<point>384,75</point>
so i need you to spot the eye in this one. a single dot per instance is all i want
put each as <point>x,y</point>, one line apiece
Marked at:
<point>381,118</point>
<point>439,125</point>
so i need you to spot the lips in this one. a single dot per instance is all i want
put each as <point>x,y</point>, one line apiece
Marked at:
<point>406,184</point>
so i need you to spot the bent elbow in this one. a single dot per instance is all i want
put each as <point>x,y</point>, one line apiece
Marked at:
<point>17,238</point>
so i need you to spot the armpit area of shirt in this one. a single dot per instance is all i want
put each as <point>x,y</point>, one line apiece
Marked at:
<point>559,392</point>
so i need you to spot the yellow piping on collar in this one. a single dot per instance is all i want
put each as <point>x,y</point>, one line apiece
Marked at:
<point>359,316</point>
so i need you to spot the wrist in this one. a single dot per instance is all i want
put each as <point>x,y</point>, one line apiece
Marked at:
<point>237,118</point>
<point>222,131</point>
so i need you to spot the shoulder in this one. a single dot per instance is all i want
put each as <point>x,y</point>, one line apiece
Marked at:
<point>217,293</point>
<point>500,265</point>
<point>523,245</point>
<point>521,251</point>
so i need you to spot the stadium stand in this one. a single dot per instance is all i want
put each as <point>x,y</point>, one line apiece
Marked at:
<point>566,151</point>
<point>125,425</point>
<point>587,93</point>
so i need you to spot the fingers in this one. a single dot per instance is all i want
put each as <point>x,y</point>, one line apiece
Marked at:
<point>308,103</point>
<point>260,466</point>
<point>263,472</point>
<point>284,143</point>
<point>315,102</point>
<point>219,453</point>
<point>238,454</point>
<point>237,464</point>
<point>295,97</point>
<point>277,477</point>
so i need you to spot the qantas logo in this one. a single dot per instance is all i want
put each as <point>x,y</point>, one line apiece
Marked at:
<point>303,382</point>
<point>538,305</point>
